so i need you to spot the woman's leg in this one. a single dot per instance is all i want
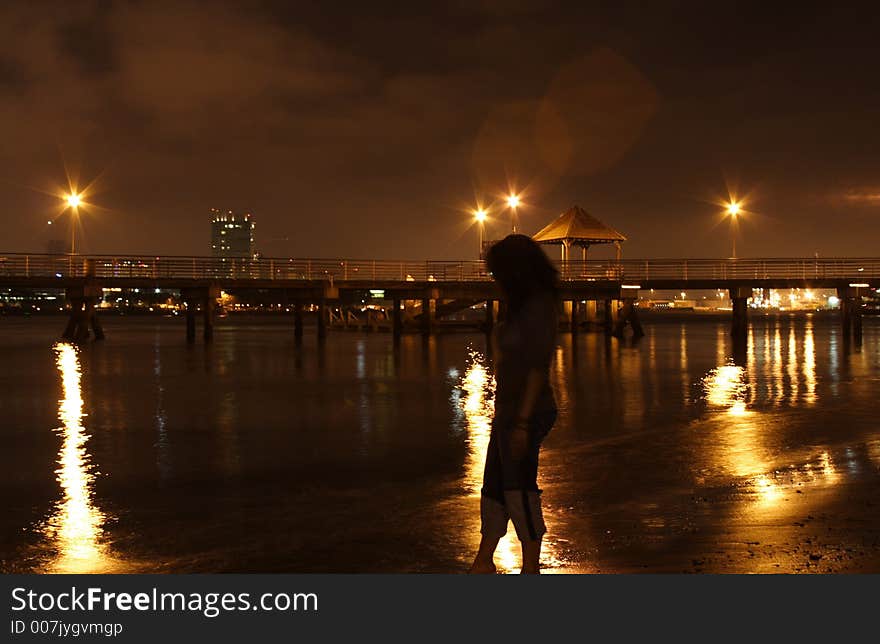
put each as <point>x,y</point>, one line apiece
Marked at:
<point>531,557</point>
<point>523,498</point>
<point>493,513</point>
<point>484,562</point>
<point>524,507</point>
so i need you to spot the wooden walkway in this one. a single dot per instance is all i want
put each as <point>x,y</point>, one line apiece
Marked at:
<point>590,288</point>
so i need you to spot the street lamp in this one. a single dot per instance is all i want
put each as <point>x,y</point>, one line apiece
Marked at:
<point>513,202</point>
<point>733,209</point>
<point>480,217</point>
<point>73,201</point>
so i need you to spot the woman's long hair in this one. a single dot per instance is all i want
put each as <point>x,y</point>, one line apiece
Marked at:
<point>522,269</point>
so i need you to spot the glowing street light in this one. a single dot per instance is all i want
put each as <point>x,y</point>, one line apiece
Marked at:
<point>513,203</point>
<point>73,201</point>
<point>480,217</point>
<point>733,209</point>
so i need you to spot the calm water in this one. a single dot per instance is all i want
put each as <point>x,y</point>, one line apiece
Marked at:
<point>144,454</point>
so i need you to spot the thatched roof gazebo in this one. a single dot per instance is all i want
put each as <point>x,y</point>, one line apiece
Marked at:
<point>577,227</point>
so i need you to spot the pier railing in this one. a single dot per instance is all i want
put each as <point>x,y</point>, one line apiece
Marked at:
<point>14,265</point>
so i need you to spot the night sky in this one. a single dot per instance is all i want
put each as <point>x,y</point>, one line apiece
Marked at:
<point>369,129</point>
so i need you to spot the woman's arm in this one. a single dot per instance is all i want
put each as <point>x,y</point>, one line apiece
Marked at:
<point>519,439</point>
<point>539,322</point>
<point>534,382</point>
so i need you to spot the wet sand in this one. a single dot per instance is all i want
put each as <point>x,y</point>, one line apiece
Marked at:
<point>254,455</point>
<point>811,528</point>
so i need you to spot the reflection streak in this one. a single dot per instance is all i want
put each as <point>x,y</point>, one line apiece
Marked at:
<point>745,430</point>
<point>792,365</point>
<point>810,364</point>
<point>76,525</point>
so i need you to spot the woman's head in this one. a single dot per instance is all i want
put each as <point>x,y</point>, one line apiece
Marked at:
<point>521,268</point>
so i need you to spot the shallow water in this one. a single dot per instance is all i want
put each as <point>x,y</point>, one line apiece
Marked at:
<point>143,454</point>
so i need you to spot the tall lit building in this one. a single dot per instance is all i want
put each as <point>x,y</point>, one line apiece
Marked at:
<point>232,234</point>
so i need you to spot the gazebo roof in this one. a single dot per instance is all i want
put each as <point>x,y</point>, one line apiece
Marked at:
<point>578,226</point>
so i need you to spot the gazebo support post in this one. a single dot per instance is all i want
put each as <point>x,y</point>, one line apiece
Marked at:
<point>575,315</point>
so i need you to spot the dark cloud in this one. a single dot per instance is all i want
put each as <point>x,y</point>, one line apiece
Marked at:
<point>383,122</point>
<point>88,41</point>
<point>12,76</point>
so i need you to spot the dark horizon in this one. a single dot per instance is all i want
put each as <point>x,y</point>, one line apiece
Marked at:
<point>371,134</point>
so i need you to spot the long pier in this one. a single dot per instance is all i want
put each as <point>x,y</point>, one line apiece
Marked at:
<point>591,290</point>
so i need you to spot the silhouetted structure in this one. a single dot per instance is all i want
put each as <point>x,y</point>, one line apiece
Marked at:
<point>577,227</point>
<point>442,287</point>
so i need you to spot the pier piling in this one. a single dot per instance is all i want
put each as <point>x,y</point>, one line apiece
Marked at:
<point>628,314</point>
<point>427,315</point>
<point>83,319</point>
<point>396,320</point>
<point>190,321</point>
<point>607,317</point>
<point>208,318</point>
<point>322,320</point>
<point>490,315</point>
<point>297,322</point>
<point>739,298</point>
<point>574,320</point>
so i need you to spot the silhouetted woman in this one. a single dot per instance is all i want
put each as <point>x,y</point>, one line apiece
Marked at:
<point>524,342</point>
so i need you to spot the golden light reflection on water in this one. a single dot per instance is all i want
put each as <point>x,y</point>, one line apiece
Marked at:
<point>746,446</point>
<point>874,451</point>
<point>793,378</point>
<point>778,389</point>
<point>725,386</point>
<point>809,364</point>
<point>779,372</point>
<point>76,525</point>
<point>683,358</point>
<point>478,405</point>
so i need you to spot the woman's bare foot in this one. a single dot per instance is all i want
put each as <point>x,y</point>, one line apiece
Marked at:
<point>480,567</point>
<point>531,557</point>
<point>484,562</point>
